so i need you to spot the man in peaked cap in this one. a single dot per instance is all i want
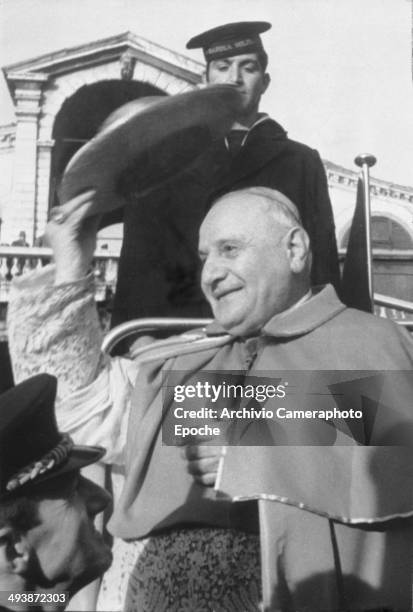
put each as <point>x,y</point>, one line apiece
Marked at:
<point>48,543</point>
<point>158,270</point>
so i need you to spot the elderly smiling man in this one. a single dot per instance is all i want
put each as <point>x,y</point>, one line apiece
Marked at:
<point>314,522</point>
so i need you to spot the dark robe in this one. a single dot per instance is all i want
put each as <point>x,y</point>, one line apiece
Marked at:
<point>159,268</point>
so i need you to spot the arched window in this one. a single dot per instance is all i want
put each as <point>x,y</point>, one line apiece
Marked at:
<point>385,234</point>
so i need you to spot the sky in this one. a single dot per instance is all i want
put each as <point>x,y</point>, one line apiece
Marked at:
<point>341,70</point>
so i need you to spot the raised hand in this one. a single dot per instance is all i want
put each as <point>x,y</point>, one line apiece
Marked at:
<point>71,233</point>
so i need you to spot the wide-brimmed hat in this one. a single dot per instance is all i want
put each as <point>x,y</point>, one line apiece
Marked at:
<point>32,449</point>
<point>147,142</point>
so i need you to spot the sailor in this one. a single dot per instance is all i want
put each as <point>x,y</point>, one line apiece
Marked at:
<point>159,269</point>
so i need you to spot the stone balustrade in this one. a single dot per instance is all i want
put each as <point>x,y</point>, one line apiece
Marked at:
<point>16,261</point>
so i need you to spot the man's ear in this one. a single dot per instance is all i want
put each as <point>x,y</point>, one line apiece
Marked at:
<point>14,550</point>
<point>266,81</point>
<point>298,245</point>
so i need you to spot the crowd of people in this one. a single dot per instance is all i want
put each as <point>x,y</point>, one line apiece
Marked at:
<point>306,514</point>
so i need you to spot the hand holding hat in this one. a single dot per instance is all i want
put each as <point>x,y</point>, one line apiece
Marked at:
<point>152,138</point>
<point>71,233</point>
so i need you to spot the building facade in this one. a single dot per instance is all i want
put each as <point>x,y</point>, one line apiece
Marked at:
<point>62,98</point>
<point>60,101</point>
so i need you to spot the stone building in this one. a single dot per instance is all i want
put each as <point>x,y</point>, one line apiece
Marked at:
<point>60,100</point>
<point>391,227</point>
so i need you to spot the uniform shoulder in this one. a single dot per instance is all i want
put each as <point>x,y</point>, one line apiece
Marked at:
<point>303,148</point>
<point>269,128</point>
<point>270,125</point>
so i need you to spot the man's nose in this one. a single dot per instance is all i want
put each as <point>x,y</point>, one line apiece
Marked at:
<point>96,498</point>
<point>212,272</point>
<point>235,74</point>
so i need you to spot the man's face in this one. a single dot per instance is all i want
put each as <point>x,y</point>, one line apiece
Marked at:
<point>246,274</point>
<point>69,551</point>
<point>246,73</point>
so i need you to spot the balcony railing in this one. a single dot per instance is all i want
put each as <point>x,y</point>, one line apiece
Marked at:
<point>16,261</point>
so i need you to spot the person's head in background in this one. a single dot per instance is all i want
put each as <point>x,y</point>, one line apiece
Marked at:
<point>48,542</point>
<point>235,55</point>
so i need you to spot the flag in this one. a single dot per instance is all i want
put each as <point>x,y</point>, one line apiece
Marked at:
<point>355,286</point>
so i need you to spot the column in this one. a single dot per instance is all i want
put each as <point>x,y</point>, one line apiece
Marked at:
<point>27,97</point>
<point>44,153</point>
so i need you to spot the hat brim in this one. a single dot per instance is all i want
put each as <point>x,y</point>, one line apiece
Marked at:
<point>153,142</point>
<point>80,457</point>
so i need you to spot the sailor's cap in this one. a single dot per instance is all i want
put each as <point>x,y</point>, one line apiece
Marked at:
<point>230,39</point>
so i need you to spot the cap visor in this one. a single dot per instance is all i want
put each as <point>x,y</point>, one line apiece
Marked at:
<point>80,457</point>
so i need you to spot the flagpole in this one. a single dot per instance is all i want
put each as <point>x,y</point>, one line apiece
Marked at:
<point>366,161</point>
